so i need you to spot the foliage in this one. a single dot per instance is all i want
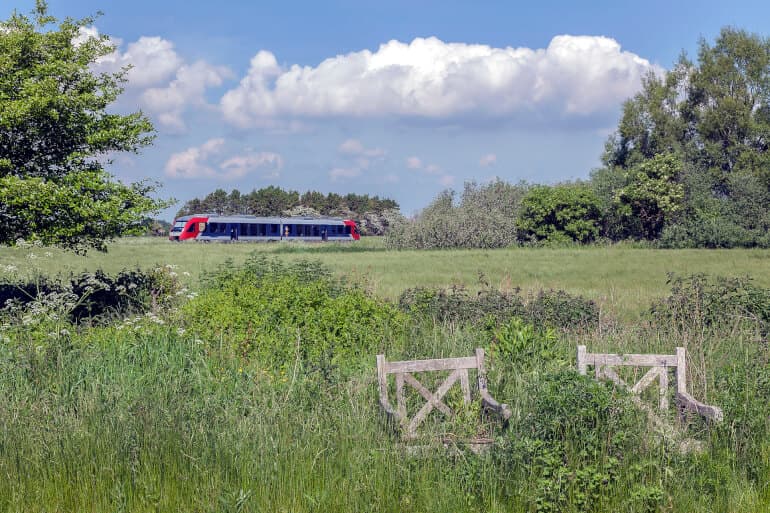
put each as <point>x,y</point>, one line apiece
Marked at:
<point>89,296</point>
<point>522,345</point>
<point>710,119</point>
<point>485,217</point>
<point>572,441</point>
<point>560,309</point>
<point>698,302</point>
<point>286,316</point>
<point>652,196</point>
<point>55,130</point>
<point>562,213</point>
<point>456,305</point>
<point>547,308</point>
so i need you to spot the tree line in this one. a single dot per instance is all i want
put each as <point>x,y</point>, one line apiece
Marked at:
<point>372,212</point>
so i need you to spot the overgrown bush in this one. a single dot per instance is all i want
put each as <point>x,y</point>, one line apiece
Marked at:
<point>457,305</point>
<point>93,296</point>
<point>547,308</point>
<point>291,315</point>
<point>699,301</point>
<point>572,442</point>
<point>561,213</point>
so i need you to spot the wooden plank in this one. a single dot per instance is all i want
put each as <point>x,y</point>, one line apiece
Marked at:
<point>681,370</point>
<point>465,385</point>
<point>435,400</point>
<point>429,396</point>
<point>430,365</point>
<point>688,402</point>
<point>482,371</point>
<point>646,379</point>
<point>382,377</point>
<point>663,388</point>
<point>400,402</point>
<point>635,360</point>
<point>610,374</point>
<point>581,360</point>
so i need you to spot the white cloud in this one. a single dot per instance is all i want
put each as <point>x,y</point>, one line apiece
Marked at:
<point>417,164</point>
<point>153,59</point>
<point>487,160</point>
<point>339,173</point>
<point>428,78</point>
<point>241,165</point>
<point>355,147</point>
<point>198,162</point>
<point>447,180</point>
<point>165,85</point>
<point>413,162</point>
<point>188,88</point>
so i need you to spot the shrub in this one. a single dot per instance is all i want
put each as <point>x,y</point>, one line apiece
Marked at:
<point>94,296</point>
<point>571,441</point>
<point>560,309</point>
<point>287,315</point>
<point>563,213</point>
<point>699,301</point>
<point>457,305</point>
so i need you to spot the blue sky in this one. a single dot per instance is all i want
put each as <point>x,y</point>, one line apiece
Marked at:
<point>397,99</point>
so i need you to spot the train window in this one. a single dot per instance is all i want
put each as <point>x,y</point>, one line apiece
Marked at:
<point>191,228</point>
<point>347,230</point>
<point>244,229</point>
<point>316,230</point>
<point>213,227</point>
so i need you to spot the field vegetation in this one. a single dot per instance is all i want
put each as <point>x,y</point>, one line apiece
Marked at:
<point>252,387</point>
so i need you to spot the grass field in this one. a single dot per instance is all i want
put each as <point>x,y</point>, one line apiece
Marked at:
<point>261,396</point>
<point>623,280</point>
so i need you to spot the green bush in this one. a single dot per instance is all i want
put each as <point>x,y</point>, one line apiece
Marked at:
<point>457,305</point>
<point>562,213</point>
<point>291,315</point>
<point>699,302</point>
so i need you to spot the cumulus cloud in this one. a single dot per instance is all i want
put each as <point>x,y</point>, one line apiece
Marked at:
<point>429,78</point>
<point>187,89</point>
<point>487,160</point>
<point>165,84</point>
<point>199,162</point>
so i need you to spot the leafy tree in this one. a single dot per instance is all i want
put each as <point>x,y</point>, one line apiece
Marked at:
<point>559,214</point>
<point>652,196</point>
<point>56,136</point>
<point>713,117</point>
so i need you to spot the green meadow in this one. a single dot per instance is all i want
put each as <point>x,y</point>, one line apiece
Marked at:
<point>621,278</point>
<point>249,385</point>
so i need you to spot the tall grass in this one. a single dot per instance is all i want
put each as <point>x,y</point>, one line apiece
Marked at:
<point>145,416</point>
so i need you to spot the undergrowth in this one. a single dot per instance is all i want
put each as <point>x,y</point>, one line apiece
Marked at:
<point>259,394</point>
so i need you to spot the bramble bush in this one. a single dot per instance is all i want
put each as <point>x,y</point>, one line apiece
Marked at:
<point>699,301</point>
<point>547,308</point>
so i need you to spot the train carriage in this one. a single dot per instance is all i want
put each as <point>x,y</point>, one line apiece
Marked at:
<point>264,229</point>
